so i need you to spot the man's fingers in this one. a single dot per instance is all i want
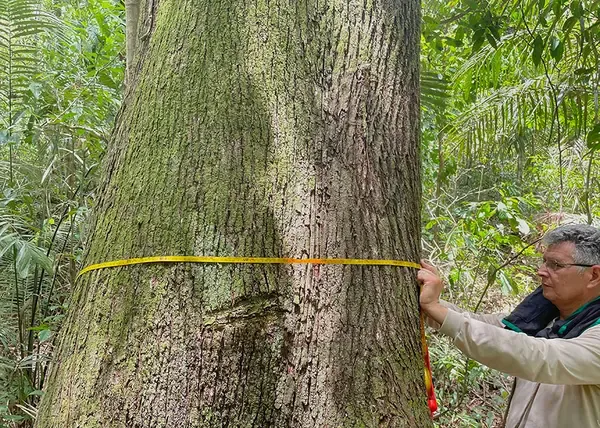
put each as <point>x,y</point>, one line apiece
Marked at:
<point>431,268</point>
<point>424,275</point>
<point>425,263</point>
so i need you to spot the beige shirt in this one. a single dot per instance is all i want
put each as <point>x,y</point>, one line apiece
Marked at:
<point>565,372</point>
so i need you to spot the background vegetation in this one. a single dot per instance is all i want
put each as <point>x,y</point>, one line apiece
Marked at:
<point>61,73</point>
<point>511,126</point>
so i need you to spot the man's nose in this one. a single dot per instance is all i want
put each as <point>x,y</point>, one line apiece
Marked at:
<point>542,270</point>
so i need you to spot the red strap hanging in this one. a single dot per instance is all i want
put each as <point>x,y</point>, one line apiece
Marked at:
<point>431,400</point>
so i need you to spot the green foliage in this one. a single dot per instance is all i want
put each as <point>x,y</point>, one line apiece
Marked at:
<point>61,69</point>
<point>22,24</point>
<point>461,383</point>
<point>484,234</point>
<point>531,84</point>
<point>487,259</point>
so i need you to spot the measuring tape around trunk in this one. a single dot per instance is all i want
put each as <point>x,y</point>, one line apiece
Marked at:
<point>431,400</point>
<point>245,260</point>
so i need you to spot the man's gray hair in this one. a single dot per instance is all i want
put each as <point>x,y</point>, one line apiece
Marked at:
<point>585,237</point>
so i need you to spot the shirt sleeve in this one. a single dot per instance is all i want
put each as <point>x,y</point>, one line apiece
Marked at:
<point>492,319</point>
<point>554,361</point>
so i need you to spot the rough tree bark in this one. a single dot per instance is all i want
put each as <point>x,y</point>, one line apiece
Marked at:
<point>269,128</point>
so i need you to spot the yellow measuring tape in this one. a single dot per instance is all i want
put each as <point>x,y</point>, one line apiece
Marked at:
<point>280,260</point>
<point>246,260</point>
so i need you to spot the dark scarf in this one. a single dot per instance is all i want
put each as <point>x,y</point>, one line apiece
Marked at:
<point>535,312</point>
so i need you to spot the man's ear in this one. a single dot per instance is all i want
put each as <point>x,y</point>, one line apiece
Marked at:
<point>595,279</point>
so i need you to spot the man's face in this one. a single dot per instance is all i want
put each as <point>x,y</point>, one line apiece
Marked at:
<point>563,285</point>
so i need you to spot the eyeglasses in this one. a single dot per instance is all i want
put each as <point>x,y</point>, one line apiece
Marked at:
<point>554,266</point>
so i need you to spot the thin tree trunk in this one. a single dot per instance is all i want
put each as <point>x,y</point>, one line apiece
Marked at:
<point>273,129</point>
<point>132,14</point>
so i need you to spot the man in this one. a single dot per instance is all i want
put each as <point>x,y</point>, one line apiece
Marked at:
<point>550,342</point>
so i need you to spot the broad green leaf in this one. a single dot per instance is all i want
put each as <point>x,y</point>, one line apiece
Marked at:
<point>523,226</point>
<point>593,137</point>
<point>538,47</point>
<point>576,8</point>
<point>14,418</point>
<point>584,71</point>
<point>504,284</point>
<point>556,7</point>
<point>557,48</point>
<point>569,23</point>
<point>23,261</point>
<point>478,39</point>
<point>491,39</point>
<point>494,30</point>
<point>44,335</point>
<point>431,20</point>
<point>453,42</point>
<point>507,284</point>
<point>39,327</point>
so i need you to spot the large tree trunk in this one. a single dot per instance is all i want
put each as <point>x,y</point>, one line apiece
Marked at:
<point>281,128</point>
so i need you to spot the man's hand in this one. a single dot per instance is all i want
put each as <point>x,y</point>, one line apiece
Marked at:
<point>431,284</point>
<point>431,288</point>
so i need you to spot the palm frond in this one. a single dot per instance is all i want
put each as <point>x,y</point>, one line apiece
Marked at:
<point>435,90</point>
<point>21,22</point>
